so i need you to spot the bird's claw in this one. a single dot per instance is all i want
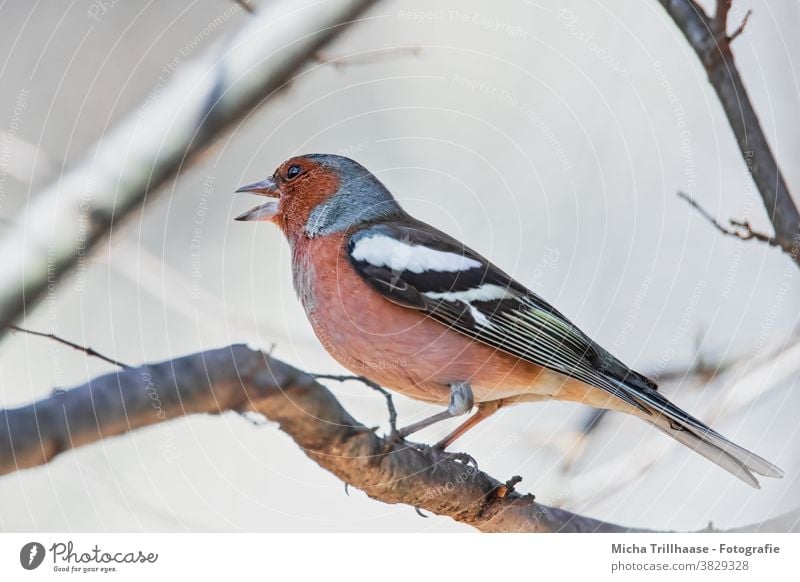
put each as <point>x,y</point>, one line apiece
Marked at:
<point>394,437</point>
<point>465,459</point>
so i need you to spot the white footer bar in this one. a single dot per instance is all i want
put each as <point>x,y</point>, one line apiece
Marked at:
<point>402,557</point>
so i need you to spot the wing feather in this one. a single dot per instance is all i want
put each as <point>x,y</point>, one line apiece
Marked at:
<point>519,323</point>
<point>467,293</point>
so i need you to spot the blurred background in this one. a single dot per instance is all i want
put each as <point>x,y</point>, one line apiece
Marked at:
<point>550,136</point>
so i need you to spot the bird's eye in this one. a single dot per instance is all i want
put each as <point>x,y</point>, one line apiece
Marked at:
<point>293,172</point>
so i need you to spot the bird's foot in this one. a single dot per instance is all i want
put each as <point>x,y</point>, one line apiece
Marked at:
<point>435,452</point>
<point>439,455</point>
<point>391,440</point>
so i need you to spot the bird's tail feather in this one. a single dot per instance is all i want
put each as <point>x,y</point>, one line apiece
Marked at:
<point>691,432</point>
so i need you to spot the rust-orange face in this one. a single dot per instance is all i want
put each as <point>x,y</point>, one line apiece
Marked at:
<point>298,186</point>
<point>321,194</point>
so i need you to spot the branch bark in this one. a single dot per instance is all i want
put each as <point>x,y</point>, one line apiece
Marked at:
<point>709,38</point>
<point>173,126</point>
<point>239,379</point>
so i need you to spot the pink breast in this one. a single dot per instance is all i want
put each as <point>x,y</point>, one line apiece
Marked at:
<point>398,347</point>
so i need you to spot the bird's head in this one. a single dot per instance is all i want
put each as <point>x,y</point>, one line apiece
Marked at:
<point>320,194</point>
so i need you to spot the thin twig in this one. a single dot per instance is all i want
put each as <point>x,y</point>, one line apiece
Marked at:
<point>374,385</point>
<point>746,232</point>
<point>740,29</point>
<point>707,36</point>
<point>740,229</point>
<point>86,350</point>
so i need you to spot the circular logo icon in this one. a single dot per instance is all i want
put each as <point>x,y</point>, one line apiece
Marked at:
<point>31,555</point>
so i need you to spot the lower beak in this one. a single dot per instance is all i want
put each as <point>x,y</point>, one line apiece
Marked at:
<point>262,212</point>
<point>266,187</point>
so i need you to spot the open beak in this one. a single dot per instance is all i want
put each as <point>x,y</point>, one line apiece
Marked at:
<point>266,187</point>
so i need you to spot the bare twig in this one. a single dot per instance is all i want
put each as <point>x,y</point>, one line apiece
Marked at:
<point>740,29</point>
<point>745,232</point>
<point>740,229</point>
<point>175,124</point>
<point>86,350</point>
<point>708,37</point>
<point>239,379</point>
<point>374,385</point>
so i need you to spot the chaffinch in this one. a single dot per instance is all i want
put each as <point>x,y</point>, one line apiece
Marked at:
<point>413,309</point>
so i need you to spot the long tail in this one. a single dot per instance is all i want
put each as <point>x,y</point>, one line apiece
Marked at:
<point>689,431</point>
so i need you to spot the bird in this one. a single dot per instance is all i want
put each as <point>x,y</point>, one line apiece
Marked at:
<point>409,307</point>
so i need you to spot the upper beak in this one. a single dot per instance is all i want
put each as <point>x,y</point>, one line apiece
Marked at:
<point>266,187</point>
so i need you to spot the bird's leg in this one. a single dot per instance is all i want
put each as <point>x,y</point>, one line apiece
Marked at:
<point>461,402</point>
<point>485,410</point>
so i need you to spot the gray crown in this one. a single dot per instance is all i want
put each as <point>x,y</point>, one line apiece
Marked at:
<point>361,197</point>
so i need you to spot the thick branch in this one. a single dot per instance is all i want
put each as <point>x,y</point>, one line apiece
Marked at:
<point>712,44</point>
<point>205,96</point>
<point>240,379</point>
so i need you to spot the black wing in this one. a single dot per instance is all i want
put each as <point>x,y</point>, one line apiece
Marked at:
<point>475,298</point>
<point>419,267</point>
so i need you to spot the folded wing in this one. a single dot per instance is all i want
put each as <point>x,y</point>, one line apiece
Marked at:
<point>421,268</point>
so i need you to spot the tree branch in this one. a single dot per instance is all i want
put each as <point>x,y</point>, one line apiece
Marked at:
<point>239,379</point>
<point>86,350</point>
<point>710,41</point>
<point>721,16</point>
<point>740,29</point>
<point>174,125</point>
<point>740,229</point>
<point>374,385</point>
